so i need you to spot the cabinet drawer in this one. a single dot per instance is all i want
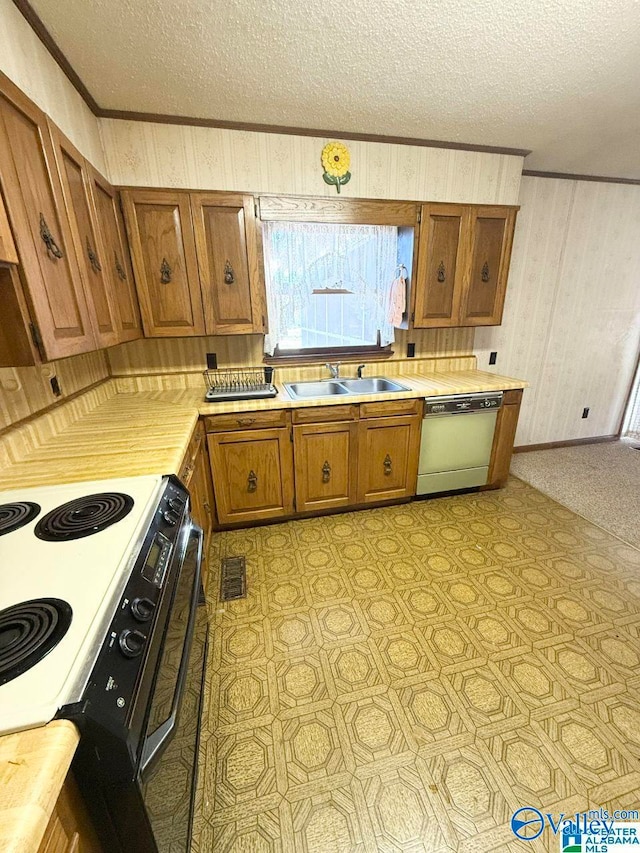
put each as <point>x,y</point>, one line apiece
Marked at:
<point>390,407</point>
<point>247,420</point>
<point>322,414</point>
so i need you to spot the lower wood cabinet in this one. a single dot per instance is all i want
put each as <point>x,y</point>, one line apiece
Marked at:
<point>325,465</point>
<point>252,474</point>
<point>69,829</point>
<point>503,438</point>
<point>388,449</point>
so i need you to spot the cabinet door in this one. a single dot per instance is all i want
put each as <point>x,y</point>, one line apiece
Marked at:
<point>164,260</point>
<point>252,474</point>
<point>116,255</point>
<point>442,254</point>
<point>226,244</point>
<point>89,249</point>
<point>201,492</point>
<point>503,438</point>
<point>491,238</point>
<point>41,229</point>
<point>325,465</point>
<point>69,829</point>
<point>8,254</point>
<point>388,451</point>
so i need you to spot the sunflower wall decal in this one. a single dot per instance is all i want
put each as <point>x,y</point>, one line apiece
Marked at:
<point>335,162</point>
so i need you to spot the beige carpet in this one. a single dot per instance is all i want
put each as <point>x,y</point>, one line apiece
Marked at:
<point>599,481</point>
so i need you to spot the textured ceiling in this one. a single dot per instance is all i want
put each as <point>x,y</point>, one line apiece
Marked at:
<point>559,77</point>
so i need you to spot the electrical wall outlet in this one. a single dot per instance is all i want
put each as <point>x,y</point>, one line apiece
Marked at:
<point>212,361</point>
<point>585,412</point>
<point>411,350</point>
<point>493,357</point>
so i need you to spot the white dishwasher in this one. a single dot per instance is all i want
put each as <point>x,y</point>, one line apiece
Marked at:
<point>457,437</point>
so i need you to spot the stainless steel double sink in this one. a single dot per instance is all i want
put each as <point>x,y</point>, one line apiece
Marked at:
<point>337,387</point>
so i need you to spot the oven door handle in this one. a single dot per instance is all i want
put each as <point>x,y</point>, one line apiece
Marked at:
<point>160,739</point>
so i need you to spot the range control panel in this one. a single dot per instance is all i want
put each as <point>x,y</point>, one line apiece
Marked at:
<point>462,403</point>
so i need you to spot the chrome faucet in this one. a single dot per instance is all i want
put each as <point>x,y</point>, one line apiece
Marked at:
<point>359,370</point>
<point>334,369</point>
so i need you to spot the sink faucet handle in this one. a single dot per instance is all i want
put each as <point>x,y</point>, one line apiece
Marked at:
<point>359,370</point>
<point>334,369</point>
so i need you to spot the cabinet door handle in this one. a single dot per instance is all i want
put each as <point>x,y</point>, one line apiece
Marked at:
<point>53,250</point>
<point>388,465</point>
<point>229,277</point>
<point>165,272</point>
<point>441,272</point>
<point>245,421</point>
<point>326,472</point>
<point>485,271</point>
<point>252,481</point>
<point>93,258</point>
<point>119,268</point>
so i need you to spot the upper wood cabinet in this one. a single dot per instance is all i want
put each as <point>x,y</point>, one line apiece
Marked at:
<point>196,262</point>
<point>116,258</point>
<point>463,264</point>
<point>491,239</point>
<point>163,252</point>
<point>87,239</point>
<point>8,253</point>
<point>227,249</point>
<point>441,264</point>
<point>41,229</point>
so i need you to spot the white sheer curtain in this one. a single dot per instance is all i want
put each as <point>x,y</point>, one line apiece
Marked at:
<point>308,268</point>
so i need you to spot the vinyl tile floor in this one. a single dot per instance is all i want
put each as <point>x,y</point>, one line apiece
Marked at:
<point>405,678</point>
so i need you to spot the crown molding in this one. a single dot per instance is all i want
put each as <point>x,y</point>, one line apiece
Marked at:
<point>567,176</point>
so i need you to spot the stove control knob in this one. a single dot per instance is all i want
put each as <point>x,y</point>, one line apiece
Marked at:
<point>142,609</point>
<point>171,517</point>
<point>131,643</point>
<point>176,504</point>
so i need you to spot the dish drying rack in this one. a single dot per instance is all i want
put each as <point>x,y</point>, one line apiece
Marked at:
<point>246,383</point>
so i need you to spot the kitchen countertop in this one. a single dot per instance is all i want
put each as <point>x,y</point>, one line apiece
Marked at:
<point>147,432</point>
<point>33,767</point>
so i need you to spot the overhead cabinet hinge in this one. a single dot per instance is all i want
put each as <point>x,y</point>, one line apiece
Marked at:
<point>256,210</point>
<point>419,215</point>
<point>37,340</point>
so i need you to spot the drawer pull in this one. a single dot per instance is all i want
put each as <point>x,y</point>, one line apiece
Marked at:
<point>93,258</point>
<point>229,277</point>
<point>326,472</point>
<point>53,250</point>
<point>441,273</point>
<point>165,272</point>
<point>252,481</point>
<point>388,465</point>
<point>119,268</point>
<point>245,421</point>
<point>485,271</point>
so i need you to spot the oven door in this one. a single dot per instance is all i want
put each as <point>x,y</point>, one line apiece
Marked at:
<point>169,755</point>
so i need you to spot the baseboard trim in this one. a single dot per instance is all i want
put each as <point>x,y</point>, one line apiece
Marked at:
<point>550,445</point>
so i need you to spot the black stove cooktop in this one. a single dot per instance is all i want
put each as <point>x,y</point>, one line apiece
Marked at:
<point>28,632</point>
<point>83,516</point>
<point>16,515</point>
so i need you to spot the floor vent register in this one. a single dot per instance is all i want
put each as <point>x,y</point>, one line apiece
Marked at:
<point>233,578</point>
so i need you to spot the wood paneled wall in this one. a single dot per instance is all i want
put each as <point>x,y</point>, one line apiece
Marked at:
<point>188,355</point>
<point>25,391</point>
<point>571,324</point>
<point>163,155</point>
<point>27,62</point>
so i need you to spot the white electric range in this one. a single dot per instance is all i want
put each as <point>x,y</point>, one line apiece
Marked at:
<point>66,553</point>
